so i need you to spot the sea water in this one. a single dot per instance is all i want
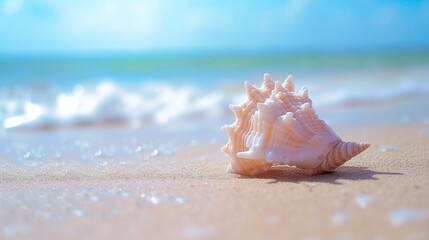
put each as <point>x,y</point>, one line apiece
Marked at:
<point>56,91</point>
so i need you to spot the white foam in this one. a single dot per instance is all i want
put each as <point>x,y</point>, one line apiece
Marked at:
<point>153,102</point>
<point>160,103</point>
<point>368,91</point>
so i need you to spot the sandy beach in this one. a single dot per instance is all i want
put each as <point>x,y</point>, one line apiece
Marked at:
<point>113,115</point>
<point>377,195</point>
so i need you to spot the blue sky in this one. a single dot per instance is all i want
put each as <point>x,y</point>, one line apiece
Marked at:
<point>134,25</point>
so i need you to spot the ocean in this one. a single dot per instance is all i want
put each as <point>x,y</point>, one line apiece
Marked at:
<point>49,92</point>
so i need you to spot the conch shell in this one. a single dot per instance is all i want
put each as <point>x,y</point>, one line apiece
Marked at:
<point>277,126</point>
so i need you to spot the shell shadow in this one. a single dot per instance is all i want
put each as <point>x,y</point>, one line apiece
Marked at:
<point>296,175</point>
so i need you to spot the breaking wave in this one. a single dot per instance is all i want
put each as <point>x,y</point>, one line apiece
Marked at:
<point>160,103</point>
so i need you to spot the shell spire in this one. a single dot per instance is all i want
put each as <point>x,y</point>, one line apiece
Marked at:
<point>340,153</point>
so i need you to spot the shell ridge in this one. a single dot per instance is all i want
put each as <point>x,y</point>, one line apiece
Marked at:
<point>255,97</point>
<point>273,143</point>
<point>241,137</point>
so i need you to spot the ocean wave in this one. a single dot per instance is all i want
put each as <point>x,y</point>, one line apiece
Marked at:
<point>368,91</point>
<point>109,101</point>
<point>157,103</point>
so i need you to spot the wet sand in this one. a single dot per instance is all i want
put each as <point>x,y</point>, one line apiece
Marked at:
<point>377,195</point>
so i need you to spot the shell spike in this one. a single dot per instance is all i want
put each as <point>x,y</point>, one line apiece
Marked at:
<point>227,129</point>
<point>249,88</point>
<point>305,107</point>
<point>224,150</point>
<point>254,153</point>
<point>288,84</point>
<point>287,119</point>
<point>247,154</point>
<point>236,109</point>
<point>279,87</point>
<point>281,96</point>
<point>268,82</point>
<point>304,92</point>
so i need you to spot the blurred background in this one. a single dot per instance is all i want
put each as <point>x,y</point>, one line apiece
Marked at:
<point>143,63</point>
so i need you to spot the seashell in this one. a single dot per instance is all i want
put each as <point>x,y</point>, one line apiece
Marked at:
<point>278,126</point>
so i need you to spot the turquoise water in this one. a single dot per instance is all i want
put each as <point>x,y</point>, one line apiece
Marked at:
<point>198,68</point>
